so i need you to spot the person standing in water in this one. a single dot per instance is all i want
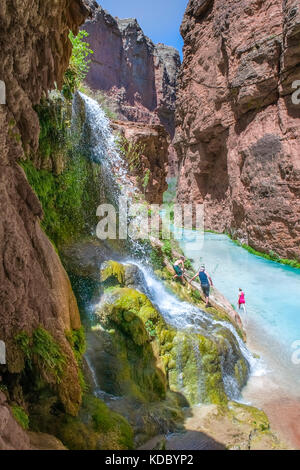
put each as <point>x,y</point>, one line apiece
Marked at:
<point>242,301</point>
<point>206,283</point>
<point>178,267</point>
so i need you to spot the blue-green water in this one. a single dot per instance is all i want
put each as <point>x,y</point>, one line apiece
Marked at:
<point>272,293</point>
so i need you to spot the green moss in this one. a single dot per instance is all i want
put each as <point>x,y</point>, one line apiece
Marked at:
<point>21,416</point>
<point>114,270</point>
<point>42,352</point>
<point>156,259</point>
<point>105,421</point>
<point>95,428</point>
<point>257,418</point>
<point>271,256</point>
<point>67,199</point>
<point>65,181</point>
<point>133,325</point>
<point>77,341</point>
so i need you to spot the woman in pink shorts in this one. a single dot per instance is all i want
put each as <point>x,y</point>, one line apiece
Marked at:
<point>242,301</point>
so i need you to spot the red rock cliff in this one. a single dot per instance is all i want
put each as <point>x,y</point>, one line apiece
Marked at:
<point>238,133</point>
<point>138,75</point>
<point>34,287</point>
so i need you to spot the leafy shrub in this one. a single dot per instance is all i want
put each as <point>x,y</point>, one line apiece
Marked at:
<point>167,249</point>
<point>79,63</point>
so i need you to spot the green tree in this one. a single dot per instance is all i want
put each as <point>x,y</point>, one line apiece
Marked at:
<point>79,63</point>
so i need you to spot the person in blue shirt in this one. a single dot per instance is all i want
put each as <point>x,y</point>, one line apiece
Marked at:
<point>206,283</point>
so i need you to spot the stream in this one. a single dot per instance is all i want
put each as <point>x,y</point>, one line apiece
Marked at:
<point>272,321</point>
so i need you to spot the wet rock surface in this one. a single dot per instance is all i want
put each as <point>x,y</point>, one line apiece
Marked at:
<point>35,289</point>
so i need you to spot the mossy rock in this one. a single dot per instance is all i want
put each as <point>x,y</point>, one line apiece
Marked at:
<point>96,427</point>
<point>112,274</point>
<point>192,364</point>
<point>127,315</point>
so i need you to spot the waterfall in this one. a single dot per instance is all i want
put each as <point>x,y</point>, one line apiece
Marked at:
<point>184,316</point>
<point>100,144</point>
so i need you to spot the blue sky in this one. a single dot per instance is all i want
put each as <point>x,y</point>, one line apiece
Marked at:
<point>159,19</point>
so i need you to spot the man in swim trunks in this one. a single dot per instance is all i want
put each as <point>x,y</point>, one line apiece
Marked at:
<point>206,283</point>
<point>242,301</point>
<point>178,267</point>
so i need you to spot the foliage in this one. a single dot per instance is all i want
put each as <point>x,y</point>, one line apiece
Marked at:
<point>54,118</point>
<point>156,259</point>
<point>146,180</point>
<point>79,63</point>
<point>67,199</point>
<point>21,416</point>
<point>77,341</point>
<point>103,100</point>
<point>271,256</point>
<point>96,428</point>
<point>150,327</point>
<point>43,352</point>
<point>167,249</point>
<point>132,153</point>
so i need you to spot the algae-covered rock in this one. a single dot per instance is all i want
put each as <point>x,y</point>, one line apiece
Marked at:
<point>148,352</point>
<point>132,324</point>
<point>115,274</point>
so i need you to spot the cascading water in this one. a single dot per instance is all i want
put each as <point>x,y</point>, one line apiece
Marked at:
<point>187,317</point>
<point>100,143</point>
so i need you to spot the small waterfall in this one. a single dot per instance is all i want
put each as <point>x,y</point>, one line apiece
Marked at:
<point>100,145</point>
<point>187,317</point>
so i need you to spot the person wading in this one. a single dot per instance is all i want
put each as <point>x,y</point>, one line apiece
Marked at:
<point>242,301</point>
<point>206,283</point>
<point>178,267</point>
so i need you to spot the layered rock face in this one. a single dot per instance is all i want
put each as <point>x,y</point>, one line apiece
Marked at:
<point>139,76</point>
<point>152,141</point>
<point>35,290</point>
<point>238,136</point>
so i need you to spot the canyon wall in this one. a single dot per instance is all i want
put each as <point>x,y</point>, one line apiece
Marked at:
<point>152,142</point>
<point>237,129</point>
<point>139,76</point>
<point>35,292</point>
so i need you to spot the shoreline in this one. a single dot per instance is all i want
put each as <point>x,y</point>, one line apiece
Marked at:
<point>271,390</point>
<point>284,261</point>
